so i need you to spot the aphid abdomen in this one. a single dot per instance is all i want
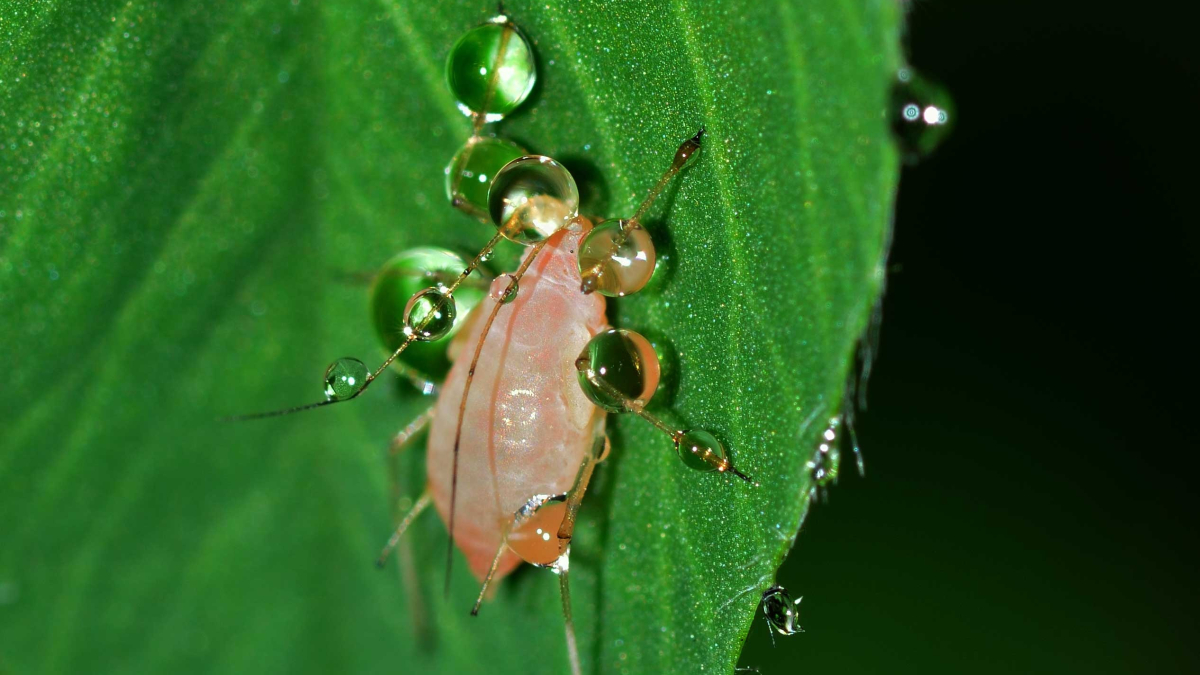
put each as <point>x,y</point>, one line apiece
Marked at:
<point>527,424</point>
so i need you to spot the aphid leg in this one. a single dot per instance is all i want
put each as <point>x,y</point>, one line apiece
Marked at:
<point>429,316</point>
<point>498,302</point>
<point>565,531</point>
<point>399,442</point>
<point>487,580</point>
<point>616,353</point>
<point>592,275</point>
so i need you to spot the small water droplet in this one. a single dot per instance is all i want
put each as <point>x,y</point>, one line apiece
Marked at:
<point>504,288</point>
<point>783,614</point>
<point>344,377</point>
<point>921,115</point>
<point>823,467</point>
<point>429,314</point>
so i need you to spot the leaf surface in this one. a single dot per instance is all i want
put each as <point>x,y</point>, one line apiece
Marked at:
<point>183,190</point>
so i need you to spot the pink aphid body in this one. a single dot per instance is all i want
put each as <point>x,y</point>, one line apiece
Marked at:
<point>527,424</point>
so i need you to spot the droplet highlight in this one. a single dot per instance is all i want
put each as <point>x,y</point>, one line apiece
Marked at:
<point>531,198</point>
<point>344,378</point>
<point>921,115</point>
<point>826,459</point>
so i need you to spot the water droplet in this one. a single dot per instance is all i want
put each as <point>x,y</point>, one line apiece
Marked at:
<point>472,67</point>
<point>921,114</point>
<point>344,377</point>
<point>782,613</point>
<point>475,165</point>
<point>823,467</point>
<point>398,281</point>
<point>701,451</point>
<point>504,288</point>
<point>534,536</point>
<point>625,362</point>
<point>429,314</point>
<point>616,258</point>
<point>531,198</point>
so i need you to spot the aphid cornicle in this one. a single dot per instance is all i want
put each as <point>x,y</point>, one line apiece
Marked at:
<point>519,422</point>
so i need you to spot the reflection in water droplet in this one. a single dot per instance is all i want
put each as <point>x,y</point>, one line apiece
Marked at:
<point>470,173</point>
<point>623,360</point>
<point>921,115</point>
<point>343,378</point>
<point>783,614</point>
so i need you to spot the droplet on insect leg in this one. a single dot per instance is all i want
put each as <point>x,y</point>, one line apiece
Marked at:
<point>783,614</point>
<point>701,451</point>
<point>616,258</point>
<point>406,275</point>
<point>534,536</point>
<point>476,65</point>
<point>504,288</point>
<point>531,198</point>
<point>344,377</point>
<point>474,167</point>
<point>429,315</point>
<point>921,114</point>
<point>625,365</point>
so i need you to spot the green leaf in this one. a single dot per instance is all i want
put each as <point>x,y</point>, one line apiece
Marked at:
<point>182,192</point>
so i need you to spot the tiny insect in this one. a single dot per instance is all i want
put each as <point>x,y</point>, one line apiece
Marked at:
<point>782,613</point>
<point>518,426</point>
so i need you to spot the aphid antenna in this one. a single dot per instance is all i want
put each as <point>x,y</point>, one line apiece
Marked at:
<point>718,464</point>
<point>514,281</point>
<point>445,296</point>
<point>687,153</point>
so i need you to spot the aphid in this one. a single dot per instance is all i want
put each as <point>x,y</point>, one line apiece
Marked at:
<point>519,423</point>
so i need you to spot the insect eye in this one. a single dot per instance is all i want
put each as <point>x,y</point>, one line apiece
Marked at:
<point>616,258</point>
<point>618,366</point>
<point>531,198</point>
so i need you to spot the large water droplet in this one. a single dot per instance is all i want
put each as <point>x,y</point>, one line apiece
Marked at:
<point>344,377</point>
<point>921,114</point>
<point>429,315</point>
<point>616,258</point>
<point>625,362</point>
<point>782,613</point>
<point>472,67</point>
<point>532,198</point>
<point>475,166</point>
<point>398,281</point>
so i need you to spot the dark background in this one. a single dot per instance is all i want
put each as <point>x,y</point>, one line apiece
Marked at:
<point>1027,504</point>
